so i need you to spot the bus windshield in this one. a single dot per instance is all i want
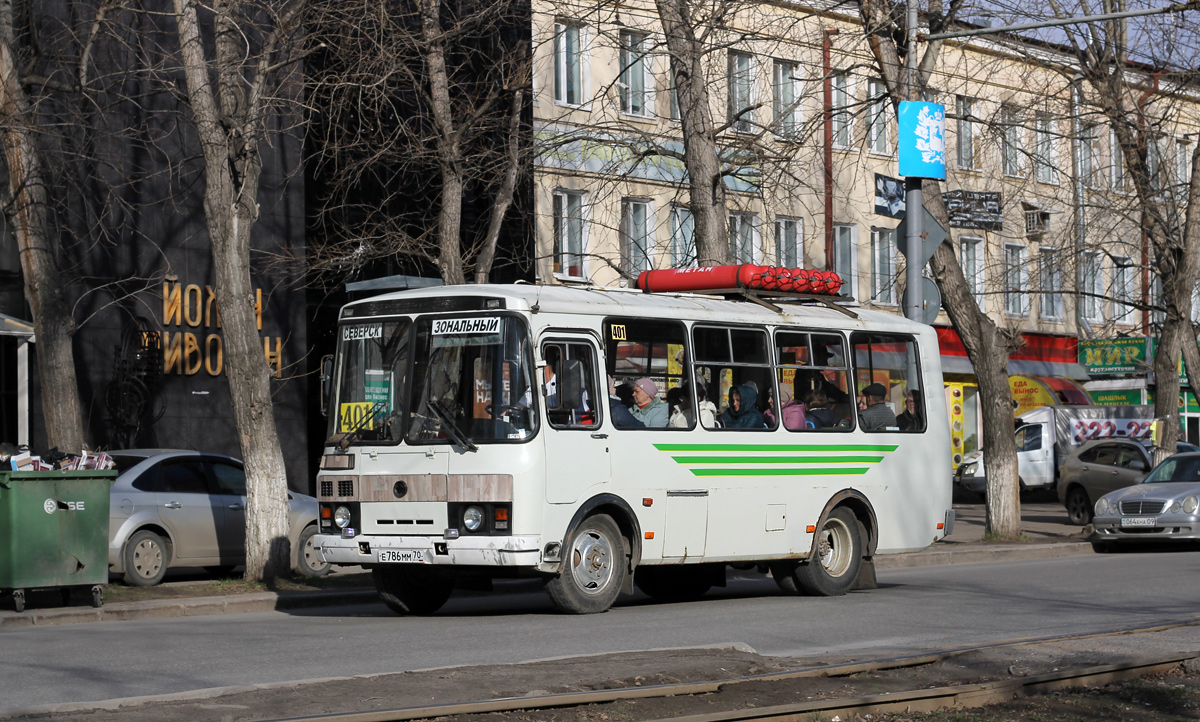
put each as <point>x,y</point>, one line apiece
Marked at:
<point>373,359</point>
<point>471,381</point>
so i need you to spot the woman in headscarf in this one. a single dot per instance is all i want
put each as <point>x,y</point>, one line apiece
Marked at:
<point>790,410</point>
<point>742,413</point>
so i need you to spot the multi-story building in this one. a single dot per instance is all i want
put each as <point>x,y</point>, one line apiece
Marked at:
<point>1042,211</point>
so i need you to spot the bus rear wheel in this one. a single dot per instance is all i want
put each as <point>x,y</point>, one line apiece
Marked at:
<point>412,589</point>
<point>594,569</point>
<point>832,568</point>
<point>674,583</point>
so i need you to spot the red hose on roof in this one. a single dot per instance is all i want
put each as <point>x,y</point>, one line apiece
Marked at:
<point>743,275</point>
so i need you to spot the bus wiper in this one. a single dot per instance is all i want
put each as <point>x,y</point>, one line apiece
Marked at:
<point>451,430</point>
<point>352,435</point>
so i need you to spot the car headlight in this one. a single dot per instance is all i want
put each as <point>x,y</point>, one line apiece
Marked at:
<point>472,518</point>
<point>1190,505</point>
<point>969,469</point>
<point>1102,507</point>
<point>341,517</point>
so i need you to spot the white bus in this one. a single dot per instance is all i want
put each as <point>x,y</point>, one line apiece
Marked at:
<point>472,437</point>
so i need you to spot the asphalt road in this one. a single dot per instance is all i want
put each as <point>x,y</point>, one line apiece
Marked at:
<point>915,610</point>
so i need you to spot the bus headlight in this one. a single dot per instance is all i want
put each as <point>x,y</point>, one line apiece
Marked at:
<point>341,517</point>
<point>1101,506</point>
<point>472,518</point>
<point>1190,504</point>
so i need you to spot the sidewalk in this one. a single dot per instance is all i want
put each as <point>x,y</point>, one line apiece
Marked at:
<point>1044,523</point>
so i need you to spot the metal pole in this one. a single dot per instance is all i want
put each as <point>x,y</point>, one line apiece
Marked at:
<point>1177,8</point>
<point>913,201</point>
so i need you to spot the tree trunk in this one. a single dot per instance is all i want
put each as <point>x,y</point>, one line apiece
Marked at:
<point>53,324</point>
<point>228,134</point>
<point>504,196</point>
<point>449,152</point>
<point>706,184</point>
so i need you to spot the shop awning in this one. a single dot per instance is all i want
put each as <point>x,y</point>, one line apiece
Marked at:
<point>1042,355</point>
<point>10,326</point>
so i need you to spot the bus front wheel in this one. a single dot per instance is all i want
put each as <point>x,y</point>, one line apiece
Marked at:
<point>412,589</point>
<point>833,566</point>
<point>594,569</point>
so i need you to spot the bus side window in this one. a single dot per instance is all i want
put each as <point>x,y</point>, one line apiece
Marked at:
<point>814,366</point>
<point>889,363</point>
<point>569,385</point>
<point>646,359</point>
<point>734,367</point>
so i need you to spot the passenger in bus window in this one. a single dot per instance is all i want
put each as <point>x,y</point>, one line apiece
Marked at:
<point>707,409</point>
<point>741,412</point>
<point>877,415</point>
<point>621,417</point>
<point>791,411</point>
<point>817,414</point>
<point>911,419</point>
<point>648,408</point>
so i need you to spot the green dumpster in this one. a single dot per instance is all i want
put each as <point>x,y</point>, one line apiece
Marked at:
<point>54,532</point>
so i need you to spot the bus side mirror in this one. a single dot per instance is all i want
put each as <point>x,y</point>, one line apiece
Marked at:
<point>326,382</point>
<point>570,386</point>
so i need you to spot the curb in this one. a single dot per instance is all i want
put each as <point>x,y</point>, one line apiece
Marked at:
<point>273,601</point>
<point>195,607</point>
<point>977,554</point>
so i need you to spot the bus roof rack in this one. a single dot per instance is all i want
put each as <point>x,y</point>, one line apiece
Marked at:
<point>768,299</point>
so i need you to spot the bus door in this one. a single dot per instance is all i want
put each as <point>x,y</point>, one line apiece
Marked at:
<point>577,455</point>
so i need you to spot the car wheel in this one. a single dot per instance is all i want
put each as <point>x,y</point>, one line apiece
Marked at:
<point>594,569</point>
<point>832,568</point>
<point>308,561</point>
<point>146,559</point>
<point>1079,506</point>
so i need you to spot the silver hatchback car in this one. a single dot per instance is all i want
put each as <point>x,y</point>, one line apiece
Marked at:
<point>172,508</point>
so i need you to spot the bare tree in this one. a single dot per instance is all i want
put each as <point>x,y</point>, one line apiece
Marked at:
<point>419,112</point>
<point>29,212</point>
<point>228,88</point>
<point>988,345</point>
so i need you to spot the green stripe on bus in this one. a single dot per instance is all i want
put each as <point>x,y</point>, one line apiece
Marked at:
<point>778,459</point>
<point>884,448</point>
<point>843,471</point>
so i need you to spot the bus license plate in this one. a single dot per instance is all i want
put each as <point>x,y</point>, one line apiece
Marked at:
<point>401,556</point>
<point>1139,521</point>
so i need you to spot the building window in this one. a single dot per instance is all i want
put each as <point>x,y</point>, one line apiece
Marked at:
<point>683,238</point>
<point>1012,143</point>
<point>842,119</point>
<point>674,93</point>
<point>636,246</point>
<point>741,86</point>
<point>569,231</point>
<point>845,257</point>
<point>1050,284</point>
<point>785,91</point>
<point>883,266</point>
<point>966,131</point>
<point>1087,156</point>
<point>1122,290</point>
<point>877,118</point>
<point>1183,162</point>
<point>789,242</point>
<point>636,78</point>
<point>1047,156</point>
<point>568,64</point>
<point>743,237</point>
<point>1116,162</point>
<point>1093,286</point>
<point>1158,316</point>
<point>1154,167</point>
<point>969,250</point>
<point>1016,280</point>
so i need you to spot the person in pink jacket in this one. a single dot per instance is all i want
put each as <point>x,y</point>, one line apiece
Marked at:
<point>790,409</point>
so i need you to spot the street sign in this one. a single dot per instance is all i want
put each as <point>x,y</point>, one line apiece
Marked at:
<point>922,137</point>
<point>934,235</point>
<point>931,300</point>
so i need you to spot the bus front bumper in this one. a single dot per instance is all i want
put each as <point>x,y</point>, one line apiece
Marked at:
<point>485,551</point>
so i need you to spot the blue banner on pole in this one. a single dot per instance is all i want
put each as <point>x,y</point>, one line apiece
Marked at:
<point>922,140</point>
